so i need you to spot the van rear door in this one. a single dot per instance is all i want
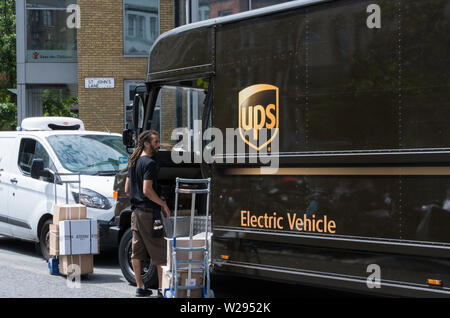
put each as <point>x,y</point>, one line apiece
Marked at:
<point>8,152</point>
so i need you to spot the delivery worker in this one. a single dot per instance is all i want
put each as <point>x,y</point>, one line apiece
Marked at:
<point>142,187</point>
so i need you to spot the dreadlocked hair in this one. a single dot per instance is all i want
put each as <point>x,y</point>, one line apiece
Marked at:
<point>146,136</point>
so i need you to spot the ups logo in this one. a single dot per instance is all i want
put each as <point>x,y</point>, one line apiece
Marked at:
<point>258,109</point>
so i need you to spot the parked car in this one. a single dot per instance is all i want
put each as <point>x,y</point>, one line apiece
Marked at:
<point>37,156</point>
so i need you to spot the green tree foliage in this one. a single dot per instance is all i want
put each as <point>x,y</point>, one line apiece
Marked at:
<point>8,116</point>
<point>58,102</point>
<point>7,48</point>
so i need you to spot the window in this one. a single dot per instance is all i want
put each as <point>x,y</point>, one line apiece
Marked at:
<point>208,9</point>
<point>223,13</point>
<point>48,37</point>
<point>212,9</point>
<point>131,24</point>
<point>90,154</point>
<point>48,18</point>
<point>141,26</point>
<point>178,107</point>
<point>31,149</point>
<point>153,28</point>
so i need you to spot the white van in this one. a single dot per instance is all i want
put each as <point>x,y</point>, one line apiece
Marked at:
<point>29,159</point>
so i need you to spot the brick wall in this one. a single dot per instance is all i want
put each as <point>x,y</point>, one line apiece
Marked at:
<point>100,54</point>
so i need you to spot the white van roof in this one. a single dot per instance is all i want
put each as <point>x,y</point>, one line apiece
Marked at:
<point>51,123</point>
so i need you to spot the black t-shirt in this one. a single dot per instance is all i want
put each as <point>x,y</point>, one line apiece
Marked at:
<point>146,168</point>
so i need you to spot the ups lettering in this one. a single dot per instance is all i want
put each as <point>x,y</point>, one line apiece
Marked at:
<point>258,117</point>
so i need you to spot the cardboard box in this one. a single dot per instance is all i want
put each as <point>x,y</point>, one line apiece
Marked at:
<point>54,240</point>
<point>84,262</point>
<point>95,242</point>
<point>65,238</point>
<point>184,256</point>
<point>63,212</point>
<point>166,279</point>
<point>196,280</point>
<point>80,231</point>
<point>78,237</point>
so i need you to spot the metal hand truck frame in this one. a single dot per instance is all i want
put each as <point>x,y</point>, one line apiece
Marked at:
<point>54,260</point>
<point>204,264</point>
<point>60,181</point>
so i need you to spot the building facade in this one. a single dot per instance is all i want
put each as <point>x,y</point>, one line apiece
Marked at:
<point>113,43</point>
<point>46,54</point>
<point>98,50</point>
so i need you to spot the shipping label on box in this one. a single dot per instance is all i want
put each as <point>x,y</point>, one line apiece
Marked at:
<point>63,212</point>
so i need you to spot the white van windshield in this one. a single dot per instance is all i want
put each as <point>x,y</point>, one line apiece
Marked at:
<point>90,154</point>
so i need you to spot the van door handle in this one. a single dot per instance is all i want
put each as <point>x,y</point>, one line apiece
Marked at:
<point>13,180</point>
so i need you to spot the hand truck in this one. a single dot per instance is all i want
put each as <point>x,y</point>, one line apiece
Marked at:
<point>204,264</point>
<point>53,262</point>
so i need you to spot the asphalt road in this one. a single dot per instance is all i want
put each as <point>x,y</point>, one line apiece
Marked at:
<point>24,274</point>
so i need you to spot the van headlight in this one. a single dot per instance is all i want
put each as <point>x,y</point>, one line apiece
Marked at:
<point>92,199</point>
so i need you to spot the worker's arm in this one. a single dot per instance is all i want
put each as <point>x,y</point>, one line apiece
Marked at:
<point>127,187</point>
<point>153,196</point>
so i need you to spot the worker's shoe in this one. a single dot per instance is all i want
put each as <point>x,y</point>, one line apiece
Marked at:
<point>143,292</point>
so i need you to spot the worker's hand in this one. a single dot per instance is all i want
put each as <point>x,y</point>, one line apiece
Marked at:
<point>166,210</point>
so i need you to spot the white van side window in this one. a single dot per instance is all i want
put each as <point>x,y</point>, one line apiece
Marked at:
<point>32,149</point>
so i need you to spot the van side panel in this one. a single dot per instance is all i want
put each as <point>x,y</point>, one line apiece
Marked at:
<point>344,89</point>
<point>7,151</point>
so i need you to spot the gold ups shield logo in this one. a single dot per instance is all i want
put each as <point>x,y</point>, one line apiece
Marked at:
<point>258,109</point>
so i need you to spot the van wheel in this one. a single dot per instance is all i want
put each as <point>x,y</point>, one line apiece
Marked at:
<point>149,272</point>
<point>44,240</point>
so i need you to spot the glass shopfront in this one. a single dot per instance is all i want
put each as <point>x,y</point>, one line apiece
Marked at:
<point>50,35</point>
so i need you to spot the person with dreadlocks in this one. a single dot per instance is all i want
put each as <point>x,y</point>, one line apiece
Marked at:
<point>142,187</point>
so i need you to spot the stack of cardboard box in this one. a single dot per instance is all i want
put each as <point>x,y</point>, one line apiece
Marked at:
<point>73,238</point>
<point>197,272</point>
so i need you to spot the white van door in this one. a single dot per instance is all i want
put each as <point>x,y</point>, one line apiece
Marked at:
<point>7,153</point>
<point>29,198</point>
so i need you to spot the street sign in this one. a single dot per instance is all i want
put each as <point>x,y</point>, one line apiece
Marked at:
<point>101,82</point>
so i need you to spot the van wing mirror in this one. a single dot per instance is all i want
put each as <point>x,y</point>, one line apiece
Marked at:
<point>37,168</point>
<point>138,112</point>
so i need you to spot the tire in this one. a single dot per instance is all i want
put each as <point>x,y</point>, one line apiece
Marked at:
<point>149,271</point>
<point>44,240</point>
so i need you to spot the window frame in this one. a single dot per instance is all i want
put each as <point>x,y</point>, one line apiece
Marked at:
<point>51,164</point>
<point>45,18</point>
<point>125,31</point>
